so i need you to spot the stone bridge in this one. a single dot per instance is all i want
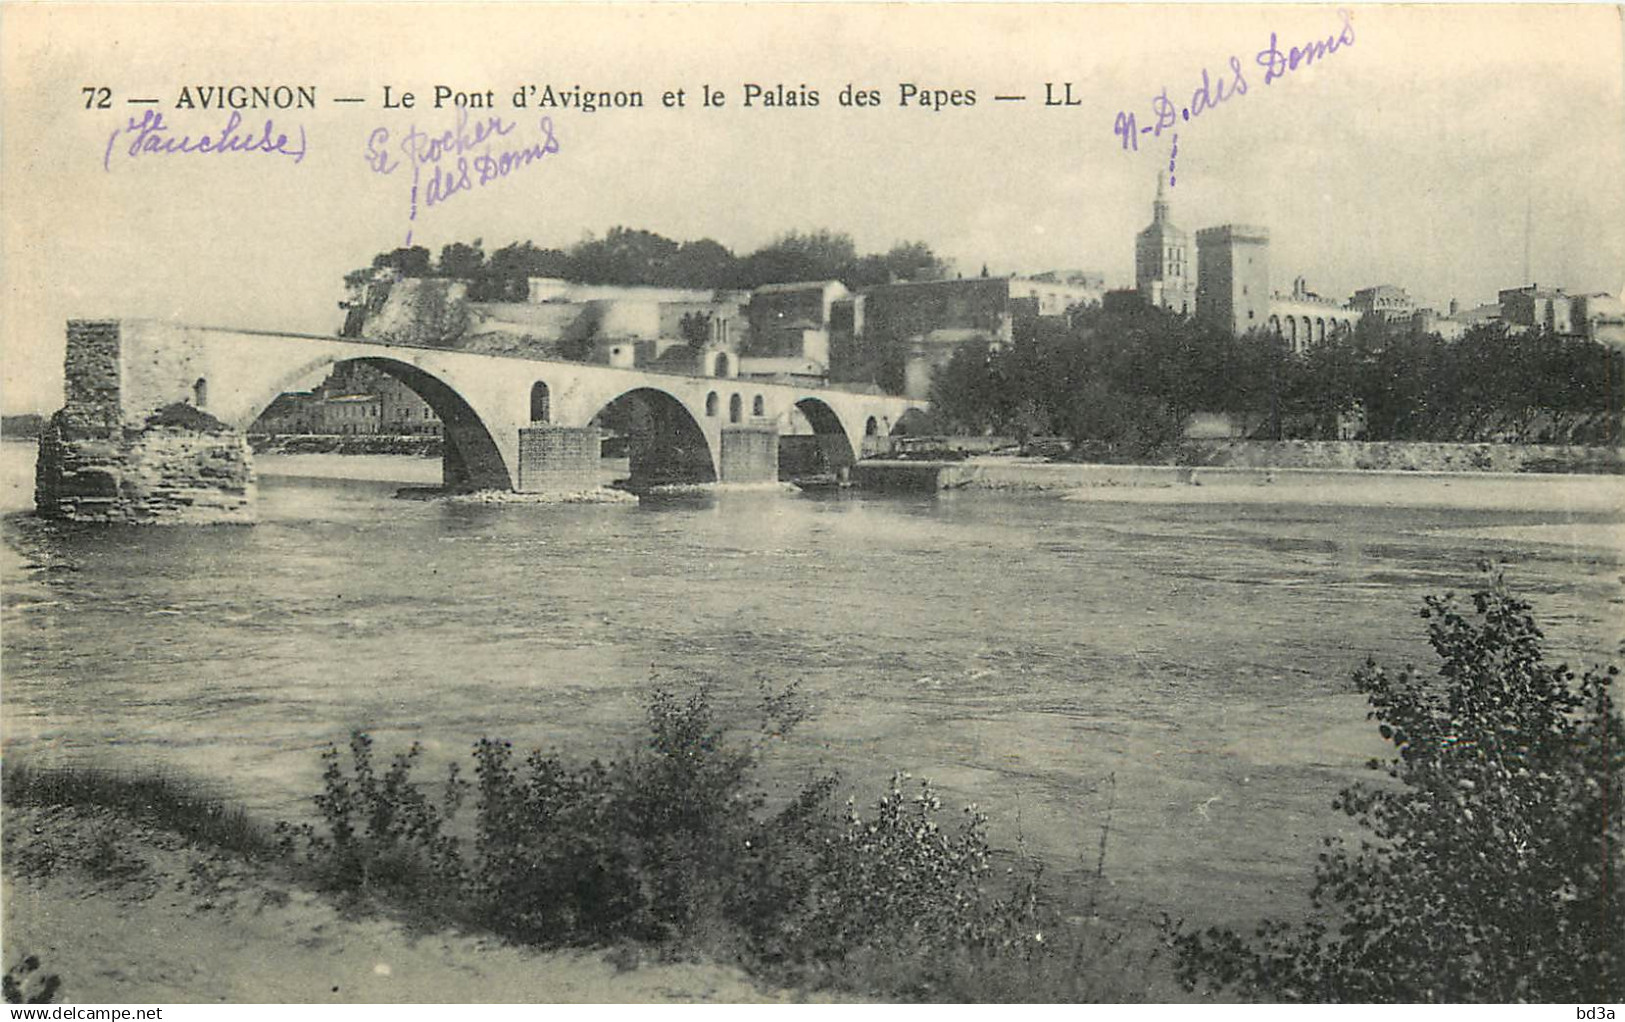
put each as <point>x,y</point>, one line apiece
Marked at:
<point>130,442</point>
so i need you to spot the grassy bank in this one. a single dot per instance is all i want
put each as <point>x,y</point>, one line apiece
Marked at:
<point>667,859</point>
<point>108,910</point>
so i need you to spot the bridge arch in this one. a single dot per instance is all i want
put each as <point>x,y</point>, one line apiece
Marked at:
<point>471,458</point>
<point>834,441</point>
<point>666,444</point>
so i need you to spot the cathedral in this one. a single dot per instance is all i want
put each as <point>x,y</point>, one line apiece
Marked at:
<point>1164,272</point>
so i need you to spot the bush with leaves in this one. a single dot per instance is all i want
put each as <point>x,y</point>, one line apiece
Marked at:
<point>676,844</point>
<point>1495,849</point>
<point>382,836</point>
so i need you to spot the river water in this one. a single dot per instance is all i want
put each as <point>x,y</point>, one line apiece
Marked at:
<point>1177,664</point>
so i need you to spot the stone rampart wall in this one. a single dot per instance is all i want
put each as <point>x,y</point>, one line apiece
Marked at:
<point>1402,457</point>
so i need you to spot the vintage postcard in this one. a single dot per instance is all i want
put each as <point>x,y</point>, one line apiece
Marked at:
<point>835,502</point>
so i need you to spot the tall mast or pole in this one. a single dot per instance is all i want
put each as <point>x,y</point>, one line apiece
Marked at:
<point>1528,223</point>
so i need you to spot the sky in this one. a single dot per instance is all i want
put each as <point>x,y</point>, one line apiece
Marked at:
<point>1429,152</point>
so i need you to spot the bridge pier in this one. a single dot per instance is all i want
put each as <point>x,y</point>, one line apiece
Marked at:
<point>558,459</point>
<point>97,463</point>
<point>749,454</point>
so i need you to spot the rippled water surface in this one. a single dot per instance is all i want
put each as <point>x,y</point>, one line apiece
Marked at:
<point>1020,650</point>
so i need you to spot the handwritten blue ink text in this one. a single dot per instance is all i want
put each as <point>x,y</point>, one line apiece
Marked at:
<point>151,135</point>
<point>454,162</point>
<point>1166,114</point>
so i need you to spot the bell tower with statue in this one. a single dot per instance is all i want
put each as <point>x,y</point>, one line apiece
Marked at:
<point>1164,273</point>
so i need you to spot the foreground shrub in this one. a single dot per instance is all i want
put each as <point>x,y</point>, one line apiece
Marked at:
<point>677,845</point>
<point>382,836</point>
<point>641,847</point>
<point>1492,867</point>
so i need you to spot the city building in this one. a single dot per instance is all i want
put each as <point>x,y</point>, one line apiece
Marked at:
<point>934,319</point>
<point>1054,297</point>
<point>1602,317</point>
<point>1385,300</point>
<point>350,414</point>
<point>1536,308</point>
<point>1451,327</point>
<point>544,290</point>
<point>354,399</point>
<point>293,413</point>
<point>1233,291</point>
<point>1090,280</point>
<point>401,412</point>
<point>793,320</point>
<point>1233,276</point>
<point>1304,318</point>
<point>1162,264</point>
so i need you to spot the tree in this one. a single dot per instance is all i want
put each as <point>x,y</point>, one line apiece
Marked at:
<point>506,277</point>
<point>408,262</point>
<point>623,256</point>
<point>703,264</point>
<point>964,392</point>
<point>1493,858</point>
<point>695,328</point>
<point>817,255</point>
<point>461,261</point>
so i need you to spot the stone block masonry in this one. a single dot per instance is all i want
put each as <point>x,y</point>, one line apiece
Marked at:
<point>750,454</point>
<point>160,475</point>
<point>93,375</point>
<point>558,459</point>
<point>178,466</point>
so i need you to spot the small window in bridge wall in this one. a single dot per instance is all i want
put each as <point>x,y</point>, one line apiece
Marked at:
<point>711,403</point>
<point>756,407</point>
<point>871,427</point>
<point>200,392</point>
<point>540,402</point>
<point>722,364</point>
<point>736,408</point>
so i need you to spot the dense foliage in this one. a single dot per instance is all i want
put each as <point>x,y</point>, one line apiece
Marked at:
<point>676,845</point>
<point>627,256</point>
<point>1124,382</point>
<point>1492,863</point>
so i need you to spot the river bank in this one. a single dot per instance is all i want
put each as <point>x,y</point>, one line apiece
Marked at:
<point>1188,484</point>
<point>1225,452</point>
<point>85,890</point>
